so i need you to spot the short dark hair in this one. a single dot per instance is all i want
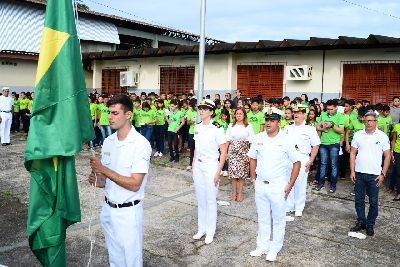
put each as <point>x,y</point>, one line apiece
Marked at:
<point>395,97</point>
<point>174,102</point>
<point>123,100</point>
<point>286,98</point>
<point>332,102</point>
<point>386,108</point>
<point>255,99</point>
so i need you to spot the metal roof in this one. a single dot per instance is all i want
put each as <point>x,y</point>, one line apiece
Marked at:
<point>314,43</point>
<point>21,28</point>
<point>135,24</point>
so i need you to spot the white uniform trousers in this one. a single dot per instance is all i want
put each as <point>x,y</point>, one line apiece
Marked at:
<point>122,229</point>
<point>296,200</point>
<point>5,126</point>
<point>206,194</point>
<point>270,202</point>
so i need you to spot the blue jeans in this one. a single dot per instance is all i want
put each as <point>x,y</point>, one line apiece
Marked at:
<point>147,131</point>
<point>159,131</point>
<point>105,131</point>
<point>366,185</point>
<point>329,154</point>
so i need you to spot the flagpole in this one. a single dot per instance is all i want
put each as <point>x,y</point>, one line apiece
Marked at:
<point>200,87</point>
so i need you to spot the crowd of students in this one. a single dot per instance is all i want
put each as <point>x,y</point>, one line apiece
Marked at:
<point>171,118</point>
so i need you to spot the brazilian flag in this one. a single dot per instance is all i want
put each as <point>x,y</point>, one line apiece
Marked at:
<point>60,123</point>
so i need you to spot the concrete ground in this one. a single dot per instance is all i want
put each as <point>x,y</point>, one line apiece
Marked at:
<point>319,238</point>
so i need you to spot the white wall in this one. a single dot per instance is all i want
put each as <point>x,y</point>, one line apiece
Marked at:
<point>20,77</point>
<point>220,74</point>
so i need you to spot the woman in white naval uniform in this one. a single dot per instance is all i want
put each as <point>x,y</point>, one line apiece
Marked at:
<point>307,143</point>
<point>210,141</point>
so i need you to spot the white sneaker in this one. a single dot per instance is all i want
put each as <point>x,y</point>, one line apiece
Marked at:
<point>289,218</point>
<point>198,236</point>
<point>298,213</point>
<point>160,154</point>
<point>258,252</point>
<point>221,172</point>
<point>225,173</point>
<point>271,256</point>
<point>188,168</point>
<point>209,239</point>
<point>156,154</point>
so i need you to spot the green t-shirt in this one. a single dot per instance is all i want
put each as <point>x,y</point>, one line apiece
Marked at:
<point>223,124</point>
<point>136,116</point>
<point>346,124</point>
<point>256,120</point>
<point>166,103</point>
<point>396,130</point>
<point>191,115</point>
<point>103,114</point>
<point>355,126</point>
<point>93,110</point>
<point>16,105</point>
<point>160,114</point>
<point>385,122</point>
<point>331,137</point>
<point>147,117</point>
<point>354,115</point>
<point>285,122</point>
<point>23,103</point>
<point>217,114</point>
<point>175,120</point>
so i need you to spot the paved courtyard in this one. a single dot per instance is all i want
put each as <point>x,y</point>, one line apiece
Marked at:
<point>319,238</point>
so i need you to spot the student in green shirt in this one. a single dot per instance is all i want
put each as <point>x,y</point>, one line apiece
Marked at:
<point>355,126</point>
<point>312,118</point>
<point>147,120</point>
<point>396,160</point>
<point>159,128</point>
<point>175,119</point>
<point>255,117</point>
<point>103,120</point>
<point>191,116</point>
<point>289,118</point>
<point>15,125</point>
<point>385,122</point>
<point>227,106</point>
<point>218,109</point>
<point>331,127</point>
<point>93,113</point>
<point>24,113</point>
<point>224,122</point>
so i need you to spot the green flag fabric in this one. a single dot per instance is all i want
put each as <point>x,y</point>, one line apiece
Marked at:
<point>60,123</point>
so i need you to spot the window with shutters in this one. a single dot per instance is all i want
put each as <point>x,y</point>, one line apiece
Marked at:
<point>376,82</point>
<point>110,81</point>
<point>176,80</point>
<point>265,80</point>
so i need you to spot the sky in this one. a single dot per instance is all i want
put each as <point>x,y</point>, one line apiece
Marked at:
<point>253,20</point>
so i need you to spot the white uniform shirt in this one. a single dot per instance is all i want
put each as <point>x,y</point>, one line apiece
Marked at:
<point>305,137</point>
<point>208,138</point>
<point>6,103</point>
<point>239,132</point>
<point>126,157</point>
<point>273,156</point>
<point>370,150</point>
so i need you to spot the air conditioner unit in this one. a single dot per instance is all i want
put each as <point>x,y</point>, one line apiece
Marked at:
<point>128,78</point>
<point>299,73</point>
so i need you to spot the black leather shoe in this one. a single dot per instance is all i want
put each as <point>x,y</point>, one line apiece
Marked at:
<point>176,160</point>
<point>370,230</point>
<point>358,227</point>
<point>171,159</point>
<point>4,144</point>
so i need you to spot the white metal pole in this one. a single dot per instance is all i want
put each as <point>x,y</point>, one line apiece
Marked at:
<point>200,87</point>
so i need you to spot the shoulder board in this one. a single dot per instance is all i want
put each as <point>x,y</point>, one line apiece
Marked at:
<point>216,124</point>
<point>198,122</point>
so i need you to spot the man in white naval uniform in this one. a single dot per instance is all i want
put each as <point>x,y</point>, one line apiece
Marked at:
<point>125,160</point>
<point>269,155</point>
<point>6,110</point>
<point>306,140</point>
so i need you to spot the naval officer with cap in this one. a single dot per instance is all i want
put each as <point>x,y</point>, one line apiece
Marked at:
<point>6,109</point>
<point>210,141</point>
<point>307,143</point>
<point>269,155</point>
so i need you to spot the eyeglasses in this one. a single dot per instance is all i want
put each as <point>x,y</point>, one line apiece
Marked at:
<point>369,121</point>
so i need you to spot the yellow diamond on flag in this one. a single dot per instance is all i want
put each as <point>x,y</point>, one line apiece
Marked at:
<point>52,42</point>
